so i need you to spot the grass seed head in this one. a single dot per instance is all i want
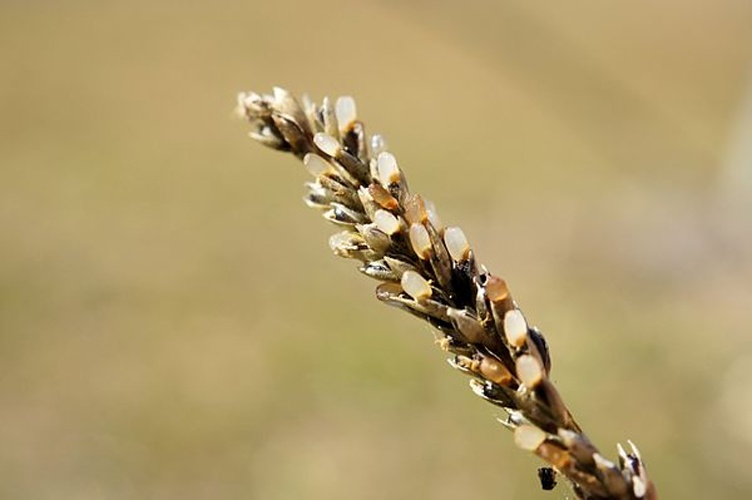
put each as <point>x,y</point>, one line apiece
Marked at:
<point>430,271</point>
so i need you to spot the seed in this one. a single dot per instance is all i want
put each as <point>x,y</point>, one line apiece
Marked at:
<point>316,165</point>
<point>346,112</point>
<point>515,327</point>
<point>494,371</point>
<point>456,243</point>
<point>529,371</point>
<point>529,437</point>
<point>327,144</point>
<point>415,285</point>
<point>386,221</point>
<point>415,209</point>
<point>496,289</point>
<point>383,197</point>
<point>387,168</point>
<point>420,241</point>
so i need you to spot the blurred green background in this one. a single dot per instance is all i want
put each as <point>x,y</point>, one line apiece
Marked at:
<point>173,325</point>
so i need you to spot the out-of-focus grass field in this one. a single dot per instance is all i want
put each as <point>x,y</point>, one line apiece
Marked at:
<point>173,326</point>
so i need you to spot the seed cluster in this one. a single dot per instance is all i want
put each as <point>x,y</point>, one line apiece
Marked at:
<point>430,271</point>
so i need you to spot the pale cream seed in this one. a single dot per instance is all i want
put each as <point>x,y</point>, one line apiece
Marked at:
<point>327,144</point>
<point>316,165</point>
<point>415,285</point>
<point>386,221</point>
<point>529,437</point>
<point>515,327</point>
<point>456,243</point>
<point>420,241</point>
<point>387,168</point>
<point>529,371</point>
<point>346,113</point>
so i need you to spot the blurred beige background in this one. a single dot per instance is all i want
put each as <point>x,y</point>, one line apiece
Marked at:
<point>173,326</point>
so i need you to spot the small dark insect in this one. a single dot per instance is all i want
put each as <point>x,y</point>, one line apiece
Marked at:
<point>547,478</point>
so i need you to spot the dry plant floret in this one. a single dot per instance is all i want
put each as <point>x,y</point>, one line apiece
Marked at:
<point>430,271</point>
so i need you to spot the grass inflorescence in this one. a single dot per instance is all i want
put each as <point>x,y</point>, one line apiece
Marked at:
<point>430,271</point>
